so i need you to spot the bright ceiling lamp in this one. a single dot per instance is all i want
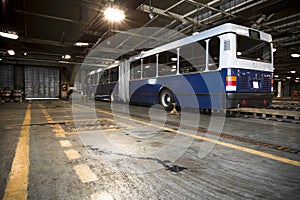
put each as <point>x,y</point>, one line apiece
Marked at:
<point>295,55</point>
<point>81,44</point>
<point>67,56</point>
<point>114,14</point>
<point>11,52</point>
<point>9,35</point>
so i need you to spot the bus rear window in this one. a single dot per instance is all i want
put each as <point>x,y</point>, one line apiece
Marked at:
<point>252,49</point>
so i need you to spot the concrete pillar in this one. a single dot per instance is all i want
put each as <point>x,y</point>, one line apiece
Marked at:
<point>279,89</point>
<point>64,90</point>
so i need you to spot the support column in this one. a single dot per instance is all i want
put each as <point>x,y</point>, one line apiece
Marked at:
<point>279,89</point>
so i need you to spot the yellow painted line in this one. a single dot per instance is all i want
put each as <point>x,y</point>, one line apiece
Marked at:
<point>72,154</point>
<point>93,130</point>
<point>233,146</point>
<point>58,130</point>
<point>17,183</point>
<point>85,173</point>
<point>65,143</point>
<point>102,195</point>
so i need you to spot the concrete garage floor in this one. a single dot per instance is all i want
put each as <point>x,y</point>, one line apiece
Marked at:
<point>79,150</point>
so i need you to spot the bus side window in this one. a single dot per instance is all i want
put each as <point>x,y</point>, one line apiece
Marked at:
<point>114,74</point>
<point>213,53</point>
<point>149,67</point>
<point>135,70</point>
<point>104,77</point>
<point>167,63</point>
<point>193,57</point>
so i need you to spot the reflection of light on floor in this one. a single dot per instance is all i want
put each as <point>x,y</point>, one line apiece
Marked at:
<point>41,99</point>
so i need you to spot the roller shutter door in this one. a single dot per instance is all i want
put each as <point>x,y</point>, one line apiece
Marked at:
<point>41,82</point>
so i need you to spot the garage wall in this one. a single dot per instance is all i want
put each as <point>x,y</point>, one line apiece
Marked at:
<point>41,82</point>
<point>7,76</point>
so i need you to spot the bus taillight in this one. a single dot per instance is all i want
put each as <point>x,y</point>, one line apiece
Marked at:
<point>230,83</point>
<point>272,84</point>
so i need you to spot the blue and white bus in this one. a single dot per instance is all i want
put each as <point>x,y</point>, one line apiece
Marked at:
<point>223,67</point>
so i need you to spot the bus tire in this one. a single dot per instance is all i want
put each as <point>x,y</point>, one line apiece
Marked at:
<point>166,98</point>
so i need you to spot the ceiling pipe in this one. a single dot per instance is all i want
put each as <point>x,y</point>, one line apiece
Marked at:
<point>51,17</point>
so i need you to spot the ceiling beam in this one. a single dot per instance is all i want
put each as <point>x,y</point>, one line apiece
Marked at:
<point>51,17</point>
<point>148,9</point>
<point>45,42</point>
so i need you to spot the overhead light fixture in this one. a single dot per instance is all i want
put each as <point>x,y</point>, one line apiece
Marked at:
<point>114,14</point>
<point>11,52</point>
<point>274,50</point>
<point>81,44</point>
<point>288,77</point>
<point>276,76</point>
<point>67,56</point>
<point>293,72</point>
<point>297,78</point>
<point>151,15</point>
<point>25,54</point>
<point>295,55</point>
<point>9,35</point>
<point>0,59</point>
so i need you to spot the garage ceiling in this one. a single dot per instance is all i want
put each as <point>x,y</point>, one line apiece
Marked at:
<point>48,29</point>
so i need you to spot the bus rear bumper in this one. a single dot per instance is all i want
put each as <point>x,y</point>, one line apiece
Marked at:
<point>249,100</point>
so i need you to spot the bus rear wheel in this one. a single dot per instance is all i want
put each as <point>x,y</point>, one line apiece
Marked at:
<point>166,99</point>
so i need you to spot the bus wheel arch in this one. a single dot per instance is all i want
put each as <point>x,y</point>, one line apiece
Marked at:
<point>166,98</point>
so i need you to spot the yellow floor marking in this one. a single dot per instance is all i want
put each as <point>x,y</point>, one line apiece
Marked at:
<point>65,143</point>
<point>72,154</point>
<point>101,196</point>
<point>63,133</point>
<point>58,130</point>
<point>237,147</point>
<point>17,183</point>
<point>85,173</point>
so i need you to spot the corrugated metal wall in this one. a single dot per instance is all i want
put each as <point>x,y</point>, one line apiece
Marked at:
<point>41,82</point>
<point>19,77</point>
<point>7,76</point>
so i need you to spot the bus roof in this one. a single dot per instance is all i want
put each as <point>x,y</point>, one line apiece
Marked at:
<point>224,28</point>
